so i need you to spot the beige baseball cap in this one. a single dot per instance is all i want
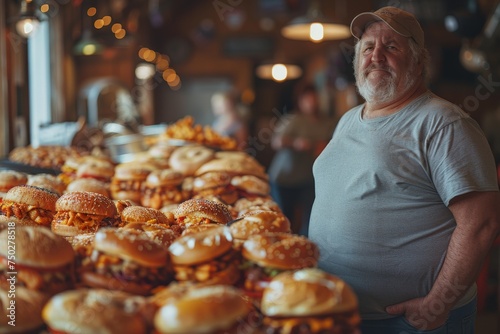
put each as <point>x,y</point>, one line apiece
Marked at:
<point>402,22</point>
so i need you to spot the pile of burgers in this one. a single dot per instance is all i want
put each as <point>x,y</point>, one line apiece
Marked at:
<point>184,239</point>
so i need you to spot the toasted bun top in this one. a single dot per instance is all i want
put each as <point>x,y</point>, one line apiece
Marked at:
<point>89,311</point>
<point>38,247</point>
<point>281,251</point>
<point>244,204</point>
<point>93,169</point>
<point>131,244</point>
<point>141,214</point>
<point>216,212</point>
<point>202,310</point>
<point>158,233</point>
<point>161,150</point>
<point>28,310</point>
<point>47,181</point>
<point>87,202</point>
<point>90,185</point>
<point>202,246</point>
<point>260,221</point>
<point>307,292</point>
<point>33,196</point>
<point>133,171</point>
<point>11,178</point>
<point>199,228</point>
<point>164,177</point>
<point>233,166</point>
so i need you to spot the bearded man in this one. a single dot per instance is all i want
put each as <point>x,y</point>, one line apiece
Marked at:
<point>407,201</point>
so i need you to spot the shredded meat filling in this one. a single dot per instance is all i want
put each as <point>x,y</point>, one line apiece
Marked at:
<point>159,197</point>
<point>19,210</point>
<point>84,222</point>
<point>205,271</point>
<point>345,323</point>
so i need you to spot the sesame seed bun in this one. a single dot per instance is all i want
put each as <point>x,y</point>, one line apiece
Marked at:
<point>88,311</point>
<point>202,246</point>
<point>141,214</point>
<point>187,159</point>
<point>307,292</point>
<point>131,244</point>
<point>201,208</point>
<point>164,177</point>
<point>133,171</point>
<point>32,196</point>
<point>234,167</point>
<point>158,233</point>
<point>208,309</point>
<point>89,185</point>
<point>10,179</point>
<point>47,181</point>
<point>86,202</point>
<point>98,170</point>
<point>281,251</point>
<point>251,184</point>
<point>38,247</point>
<point>258,222</point>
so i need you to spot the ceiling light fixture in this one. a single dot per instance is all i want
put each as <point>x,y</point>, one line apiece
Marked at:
<point>315,27</point>
<point>278,72</point>
<point>28,19</point>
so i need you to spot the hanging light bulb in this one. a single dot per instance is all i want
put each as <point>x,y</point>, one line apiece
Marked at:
<point>278,71</point>
<point>316,32</point>
<point>315,27</point>
<point>28,19</point>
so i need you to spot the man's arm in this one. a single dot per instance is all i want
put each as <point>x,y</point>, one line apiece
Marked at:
<point>477,215</point>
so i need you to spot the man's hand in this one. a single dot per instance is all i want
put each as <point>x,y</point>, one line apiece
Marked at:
<point>419,313</point>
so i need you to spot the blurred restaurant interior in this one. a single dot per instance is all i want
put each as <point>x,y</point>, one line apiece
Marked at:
<point>155,61</point>
<point>121,67</point>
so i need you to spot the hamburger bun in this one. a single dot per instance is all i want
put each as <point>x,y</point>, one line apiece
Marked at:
<point>158,233</point>
<point>233,167</point>
<point>201,208</point>
<point>251,184</point>
<point>199,228</point>
<point>131,171</point>
<point>244,205</point>
<point>141,214</point>
<point>38,247</point>
<point>209,309</point>
<point>87,202</point>
<point>307,292</point>
<point>281,251</point>
<point>89,311</point>
<point>32,196</point>
<point>89,185</point>
<point>202,246</point>
<point>187,159</point>
<point>164,178</point>
<point>258,222</point>
<point>10,179</point>
<point>47,181</point>
<point>26,312</point>
<point>211,180</point>
<point>131,244</point>
<point>101,170</point>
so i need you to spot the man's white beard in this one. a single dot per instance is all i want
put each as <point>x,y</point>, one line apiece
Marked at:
<point>385,89</point>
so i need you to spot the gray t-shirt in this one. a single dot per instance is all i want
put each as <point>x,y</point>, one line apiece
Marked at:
<point>383,185</point>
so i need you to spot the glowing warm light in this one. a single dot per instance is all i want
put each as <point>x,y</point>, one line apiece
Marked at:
<point>142,52</point>
<point>89,49</point>
<point>144,71</point>
<point>171,78</point>
<point>149,55</point>
<point>120,34</point>
<point>106,20</point>
<point>99,23</point>
<point>44,8</point>
<point>91,11</point>
<point>279,72</point>
<point>167,73</point>
<point>162,64</point>
<point>316,32</point>
<point>116,27</point>
<point>175,81</point>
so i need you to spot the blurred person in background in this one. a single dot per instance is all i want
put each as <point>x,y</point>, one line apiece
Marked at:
<point>228,120</point>
<point>407,201</point>
<point>298,141</point>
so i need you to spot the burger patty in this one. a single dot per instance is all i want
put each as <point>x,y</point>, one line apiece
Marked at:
<point>83,221</point>
<point>342,323</point>
<point>205,271</point>
<point>159,197</point>
<point>113,266</point>
<point>19,210</point>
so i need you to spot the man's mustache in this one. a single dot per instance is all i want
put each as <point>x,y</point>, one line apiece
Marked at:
<point>378,67</point>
